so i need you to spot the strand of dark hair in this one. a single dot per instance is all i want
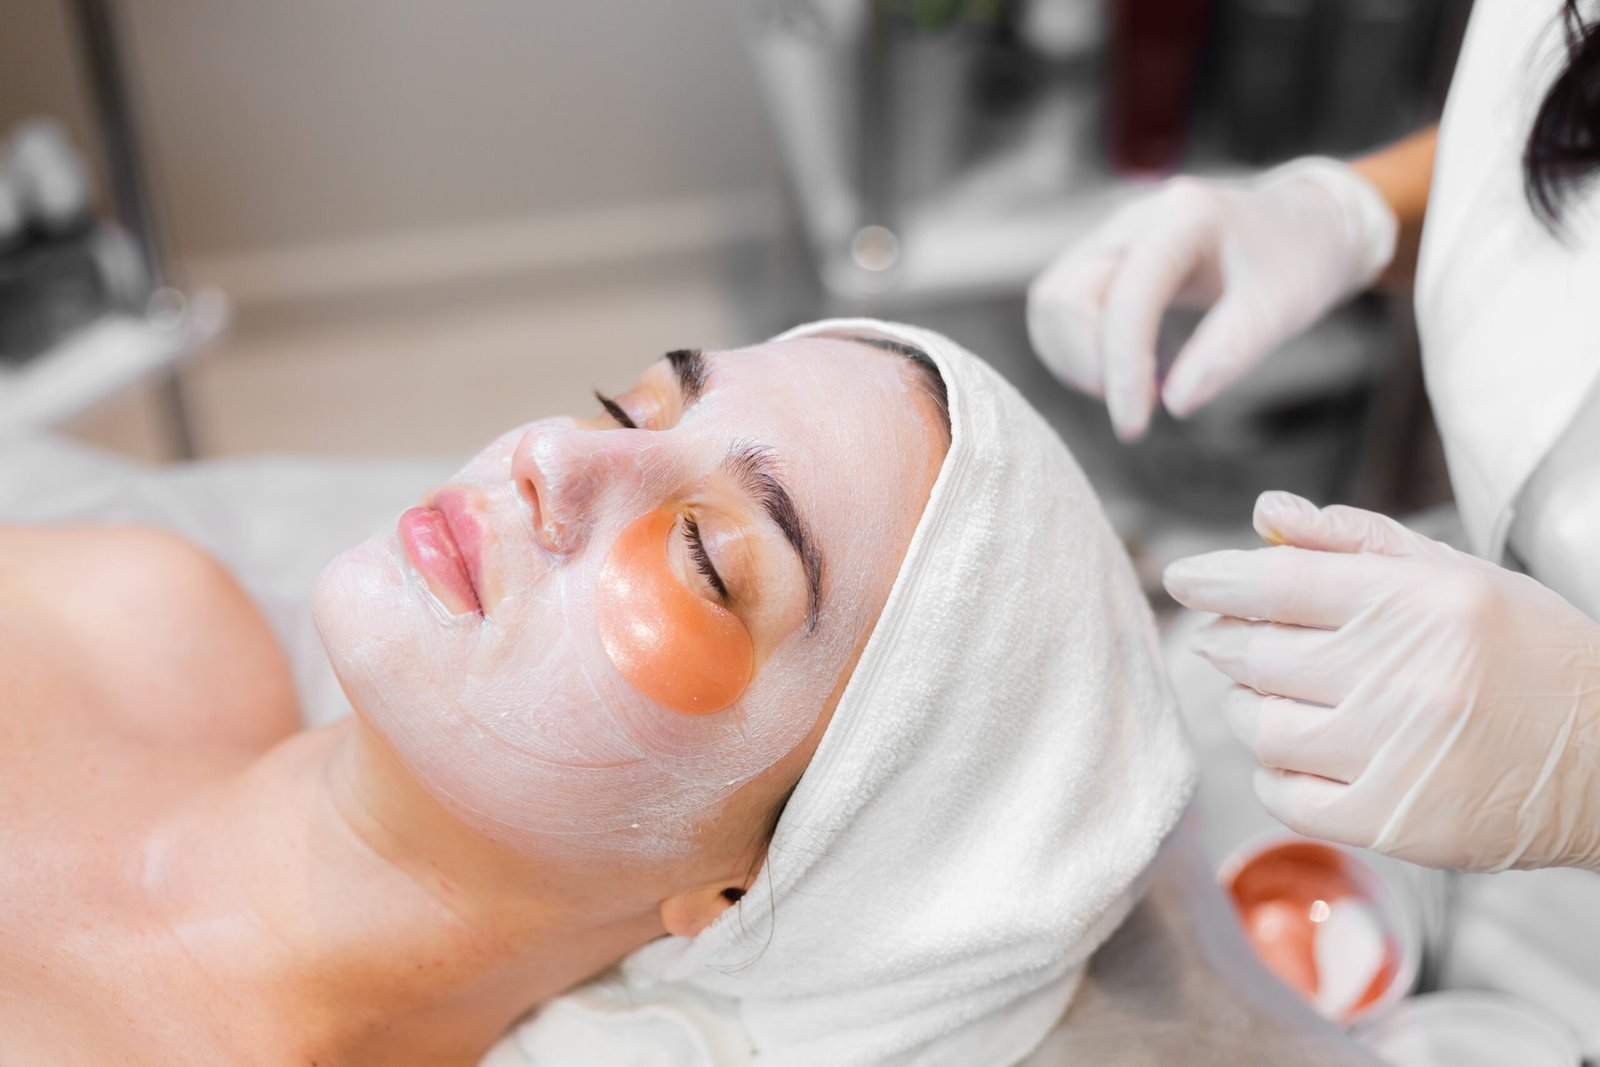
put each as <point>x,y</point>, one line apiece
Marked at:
<point>1563,149</point>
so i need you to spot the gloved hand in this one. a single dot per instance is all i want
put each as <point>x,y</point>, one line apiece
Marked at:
<point>1272,254</point>
<point>1404,696</point>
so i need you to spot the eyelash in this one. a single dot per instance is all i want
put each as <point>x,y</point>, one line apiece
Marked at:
<point>702,559</point>
<point>614,409</point>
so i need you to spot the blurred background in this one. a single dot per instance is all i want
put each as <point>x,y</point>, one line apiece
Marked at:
<point>383,228</point>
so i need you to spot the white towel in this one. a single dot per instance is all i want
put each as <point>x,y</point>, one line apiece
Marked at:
<point>1001,768</point>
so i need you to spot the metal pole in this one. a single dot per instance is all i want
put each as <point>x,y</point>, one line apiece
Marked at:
<point>130,190</point>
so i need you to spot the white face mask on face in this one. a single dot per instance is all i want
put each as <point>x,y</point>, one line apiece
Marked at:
<point>595,634</point>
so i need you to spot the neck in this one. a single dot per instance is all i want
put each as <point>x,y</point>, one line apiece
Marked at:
<point>327,884</point>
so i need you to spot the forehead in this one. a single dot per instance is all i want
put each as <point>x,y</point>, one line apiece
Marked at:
<point>815,402</point>
<point>832,383</point>
<point>845,422</point>
<point>808,389</point>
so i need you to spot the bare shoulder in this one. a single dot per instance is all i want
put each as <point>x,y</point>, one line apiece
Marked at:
<point>153,623</point>
<point>62,568</point>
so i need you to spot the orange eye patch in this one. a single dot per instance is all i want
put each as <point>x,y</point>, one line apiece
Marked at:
<point>668,642</point>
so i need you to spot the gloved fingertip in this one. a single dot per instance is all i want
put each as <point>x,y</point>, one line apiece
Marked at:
<point>1264,783</point>
<point>1183,393</point>
<point>1178,578</point>
<point>1240,710</point>
<point>1205,582</point>
<point>1130,431</point>
<point>1284,499</point>
<point>1130,414</point>
<point>1088,387</point>
<point>1279,516</point>
<point>1043,334</point>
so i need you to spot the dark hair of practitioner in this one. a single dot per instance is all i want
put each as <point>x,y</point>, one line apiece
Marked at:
<point>1563,150</point>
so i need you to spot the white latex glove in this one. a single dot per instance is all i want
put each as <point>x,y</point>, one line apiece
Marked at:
<point>1404,696</point>
<point>1272,254</point>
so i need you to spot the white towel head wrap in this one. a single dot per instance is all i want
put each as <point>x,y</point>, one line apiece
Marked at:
<point>1000,770</point>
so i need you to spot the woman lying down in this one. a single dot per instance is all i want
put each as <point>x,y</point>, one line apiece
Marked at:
<point>806,682</point>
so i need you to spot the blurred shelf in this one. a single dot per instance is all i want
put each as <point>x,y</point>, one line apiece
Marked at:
<point>989,231</point>
<point>935,167</point>
<point>947,255</point>
<point>115,352</point>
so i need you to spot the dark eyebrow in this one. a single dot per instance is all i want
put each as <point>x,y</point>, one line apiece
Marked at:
<point>899,347</point>
<point>753,466</point>
<point>689,364</point>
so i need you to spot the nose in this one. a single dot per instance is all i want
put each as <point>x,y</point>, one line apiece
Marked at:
<point>568,475</point>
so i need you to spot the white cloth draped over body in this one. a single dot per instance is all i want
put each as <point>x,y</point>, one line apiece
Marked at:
<point>1001,768</point>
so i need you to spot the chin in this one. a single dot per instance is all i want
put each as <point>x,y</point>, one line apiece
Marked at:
<point>366,614</point>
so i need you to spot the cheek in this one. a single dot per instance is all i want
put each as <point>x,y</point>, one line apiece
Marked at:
<point>672,645</point>
<point>387,641</point>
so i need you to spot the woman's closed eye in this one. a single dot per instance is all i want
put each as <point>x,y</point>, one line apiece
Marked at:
<point>614,409</point>
<point>702,558</point>
<point>694,541</point>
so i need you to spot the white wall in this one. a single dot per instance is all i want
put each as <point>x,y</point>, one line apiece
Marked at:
<point>335,140</point>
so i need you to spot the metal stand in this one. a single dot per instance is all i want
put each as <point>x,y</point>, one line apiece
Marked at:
<point>130,188</point>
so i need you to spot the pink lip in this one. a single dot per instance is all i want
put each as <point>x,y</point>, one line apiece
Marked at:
<point>466,528</point>
<point>445,553</point>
